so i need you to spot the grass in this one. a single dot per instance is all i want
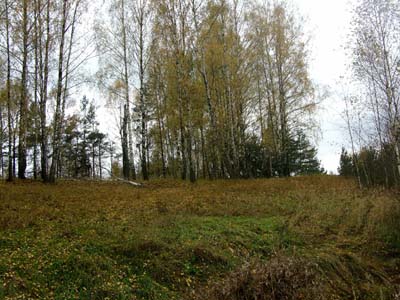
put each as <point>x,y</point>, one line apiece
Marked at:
<point>298,238</point>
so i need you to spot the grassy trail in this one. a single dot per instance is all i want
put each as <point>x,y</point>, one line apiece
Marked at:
<point>299,238</point>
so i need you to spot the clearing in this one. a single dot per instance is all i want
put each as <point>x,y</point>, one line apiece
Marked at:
<point>300,238</point>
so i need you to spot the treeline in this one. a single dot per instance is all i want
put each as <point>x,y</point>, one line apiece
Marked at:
<point>373,115</point>
<point>222,89</point>
<point>371,166</point>
<point>199,89</point>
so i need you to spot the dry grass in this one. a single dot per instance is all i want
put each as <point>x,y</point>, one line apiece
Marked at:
<point>171,239</point>
<point>281,278</point>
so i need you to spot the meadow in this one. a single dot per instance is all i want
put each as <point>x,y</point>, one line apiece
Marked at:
<point>314,237</point>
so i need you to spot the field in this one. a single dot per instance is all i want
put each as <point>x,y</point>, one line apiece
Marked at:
<point>299,238</point>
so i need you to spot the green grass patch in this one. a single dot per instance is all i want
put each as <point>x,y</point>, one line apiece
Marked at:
<point>98,261</point>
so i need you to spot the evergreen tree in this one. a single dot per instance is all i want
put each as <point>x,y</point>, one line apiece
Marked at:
<point>346,167</point>
<point>303,156</point>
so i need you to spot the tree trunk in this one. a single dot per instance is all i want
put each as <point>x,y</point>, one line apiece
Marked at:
<point>142,100</point>
<point>36,88</point>
<point>14,156</point>
<point>100,164</point>
<point>93,162</point>
<point>23,106</point>
<point>1,143</point>
<point>125,147</point>
<point>161,138</point>
<point>127,143</point>
<point>57,117</point>
<point>11,172</point>
<point>43,99</point>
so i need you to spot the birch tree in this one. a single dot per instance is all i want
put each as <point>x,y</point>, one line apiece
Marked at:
<point>11,173</point>
<point>142,37</point>
<point>281,55</point>
<point>67,27</point>
<point>376,54</point>
<point>114,44</point>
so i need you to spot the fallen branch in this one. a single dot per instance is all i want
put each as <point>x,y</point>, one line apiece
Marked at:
<point>127,181</point>
<point>121,179</point>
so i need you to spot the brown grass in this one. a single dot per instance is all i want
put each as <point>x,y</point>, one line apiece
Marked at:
<point>334,239</point>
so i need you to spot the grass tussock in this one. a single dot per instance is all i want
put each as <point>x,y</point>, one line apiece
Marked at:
<point>281,277</point>
<point>284,277</point>
<point>173,240</point>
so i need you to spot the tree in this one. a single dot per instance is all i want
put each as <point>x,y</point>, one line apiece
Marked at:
<point>142,16</point>
<point>23,105</point>
<point>11,173</point>
<point>69,14</point>
<point>303,156</point>
<point>114,44</point>
<point>172,20</point>
<point>346,167</point>
<point>43,46</point>
<point>212,89</point>
<point>280,61</point>
<point>376,52</point>
<point>83,146</point>
<point>57,116</point>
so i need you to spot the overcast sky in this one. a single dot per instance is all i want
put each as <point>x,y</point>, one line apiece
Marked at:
<point>328,22</point>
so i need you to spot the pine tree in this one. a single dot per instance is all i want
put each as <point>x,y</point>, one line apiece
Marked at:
<point>346,167</point>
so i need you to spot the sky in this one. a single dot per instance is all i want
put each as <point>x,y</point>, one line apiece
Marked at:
<point>328,22</point>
